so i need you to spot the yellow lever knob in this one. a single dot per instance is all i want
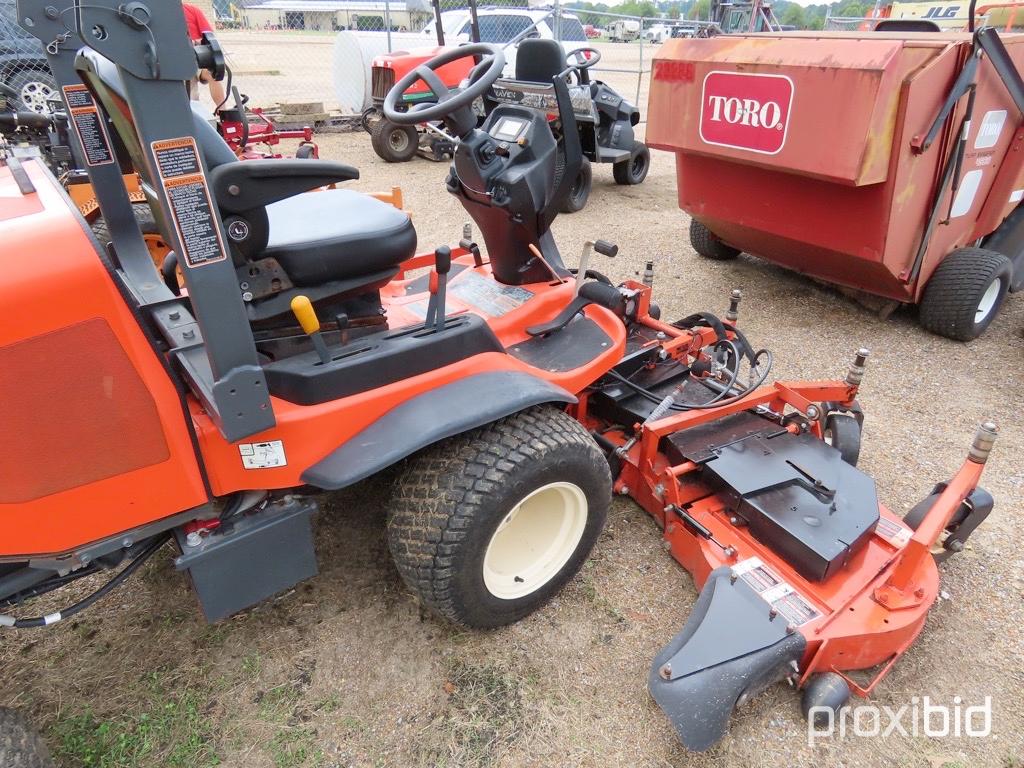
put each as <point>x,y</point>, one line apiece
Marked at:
<point>302,308</point>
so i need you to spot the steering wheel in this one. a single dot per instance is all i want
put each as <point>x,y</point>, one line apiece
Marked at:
<point>455,108</point>
<point>576,59</point>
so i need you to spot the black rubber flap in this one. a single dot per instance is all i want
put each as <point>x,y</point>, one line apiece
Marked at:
<point>730,648</point>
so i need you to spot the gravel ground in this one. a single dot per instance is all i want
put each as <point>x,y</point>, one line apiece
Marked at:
<point>346,670</point>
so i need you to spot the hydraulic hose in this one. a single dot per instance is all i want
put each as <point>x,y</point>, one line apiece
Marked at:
<point>81,605</point>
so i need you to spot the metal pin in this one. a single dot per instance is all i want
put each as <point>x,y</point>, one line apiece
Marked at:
<point>984,439</point>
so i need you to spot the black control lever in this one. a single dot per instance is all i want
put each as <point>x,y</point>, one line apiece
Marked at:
<point>594,292</point>
<point>438,287</point>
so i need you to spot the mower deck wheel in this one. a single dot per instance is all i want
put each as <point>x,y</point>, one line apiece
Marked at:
<point>707,244</point>
<point>965,293</point>
<point>634,170</point>
<point>842,432</point>
<point>394,143</point>
<point>487,526</point>
<point>21,746</point>
<point>825,691</point>
<point>577,198</point>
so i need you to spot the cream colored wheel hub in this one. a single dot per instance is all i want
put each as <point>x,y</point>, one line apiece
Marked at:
<point>535,540</point>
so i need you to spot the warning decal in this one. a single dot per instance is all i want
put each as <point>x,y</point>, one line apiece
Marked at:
<point>92,133</point>
<point>262,455</point>
<point>488,296</point>
<point>188,195</point>
<point>783,599</point>
<point>892,532</point>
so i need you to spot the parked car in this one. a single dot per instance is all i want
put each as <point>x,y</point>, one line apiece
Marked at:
<point>23,66</point>
<point>501,26</point>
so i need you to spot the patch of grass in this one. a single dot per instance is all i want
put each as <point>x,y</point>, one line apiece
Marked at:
<point>277,704</point>
<point>295,747</point>
<point>484,712</point>
<point>167,729</point>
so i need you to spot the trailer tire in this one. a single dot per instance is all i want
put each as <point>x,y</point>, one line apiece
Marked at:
<point>21,746</point>
<point>471,526</point>
<point>842,432</point>
<point>707,244</point>
<point>634,170</point>
<point>965,293</point>
<point>579,193</point>
<point>394,143</point>
<point>35,88</point>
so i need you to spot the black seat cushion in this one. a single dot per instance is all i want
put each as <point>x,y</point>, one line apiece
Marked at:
<point>539,60</point>
<point>337,234</point>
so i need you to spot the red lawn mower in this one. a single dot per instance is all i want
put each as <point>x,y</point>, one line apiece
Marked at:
<point>511,394</point>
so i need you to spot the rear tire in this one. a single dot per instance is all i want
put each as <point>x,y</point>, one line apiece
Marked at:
<point>578,195</point>
<point>965,293</point>
<point>394,143</point>
<point>707,244</point>
<point>634,170</point>
<point>306,151</point>
<point>487,526</point>
<point>21,746</point>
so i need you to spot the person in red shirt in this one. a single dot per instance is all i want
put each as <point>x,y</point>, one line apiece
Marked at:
<point>197,23</point>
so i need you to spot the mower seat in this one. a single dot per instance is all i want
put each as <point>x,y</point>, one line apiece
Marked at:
<point>539,60</point>
<point>323,237</point>
<point>336,234</point>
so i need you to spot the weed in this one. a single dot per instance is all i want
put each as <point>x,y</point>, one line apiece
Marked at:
<point>295,747</point>
<point>168,730</point>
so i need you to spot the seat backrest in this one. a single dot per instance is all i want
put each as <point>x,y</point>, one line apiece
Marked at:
<point>103,79</point>
<point>539,60</point>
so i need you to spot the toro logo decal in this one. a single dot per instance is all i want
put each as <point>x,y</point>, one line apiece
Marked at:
<point>746,111</point>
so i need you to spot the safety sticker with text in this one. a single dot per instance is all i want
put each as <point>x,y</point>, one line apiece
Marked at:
<point>893,532</point>
<point>489,297</point>
<point>188,195</point>
<point>262,455</point>
<point>89,125</point>
<point>780,595</point>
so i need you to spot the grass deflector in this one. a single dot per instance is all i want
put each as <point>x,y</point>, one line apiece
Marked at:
<point>311,347</point>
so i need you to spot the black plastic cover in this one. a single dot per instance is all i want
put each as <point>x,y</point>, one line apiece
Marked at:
<point>730,649</point>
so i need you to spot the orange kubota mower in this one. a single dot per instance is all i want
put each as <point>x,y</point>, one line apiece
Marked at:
<point>514,395</point>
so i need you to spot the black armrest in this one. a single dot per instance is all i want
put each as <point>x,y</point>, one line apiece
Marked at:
<point>247,184</point>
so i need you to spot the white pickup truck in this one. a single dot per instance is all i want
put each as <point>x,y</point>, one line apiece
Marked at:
<point>501,26</point>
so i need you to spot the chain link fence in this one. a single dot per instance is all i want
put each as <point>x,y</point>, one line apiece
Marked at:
<point>315,57</point>
<point>24,75</point>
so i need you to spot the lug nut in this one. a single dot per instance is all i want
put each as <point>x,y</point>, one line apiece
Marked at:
<point>984,438</point>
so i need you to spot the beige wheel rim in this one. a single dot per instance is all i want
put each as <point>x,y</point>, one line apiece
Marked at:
<point>535,540</point>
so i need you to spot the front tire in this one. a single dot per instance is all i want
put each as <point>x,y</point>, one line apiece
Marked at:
<point>577,198</point>
<point>394,143</point>
<point>634,170</point>
<point>965,293</point>
<point>21,746</point>
<point>707,244</point>
<point>487,526</point>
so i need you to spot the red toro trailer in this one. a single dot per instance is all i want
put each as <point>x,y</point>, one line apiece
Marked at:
<point>884,162</point>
